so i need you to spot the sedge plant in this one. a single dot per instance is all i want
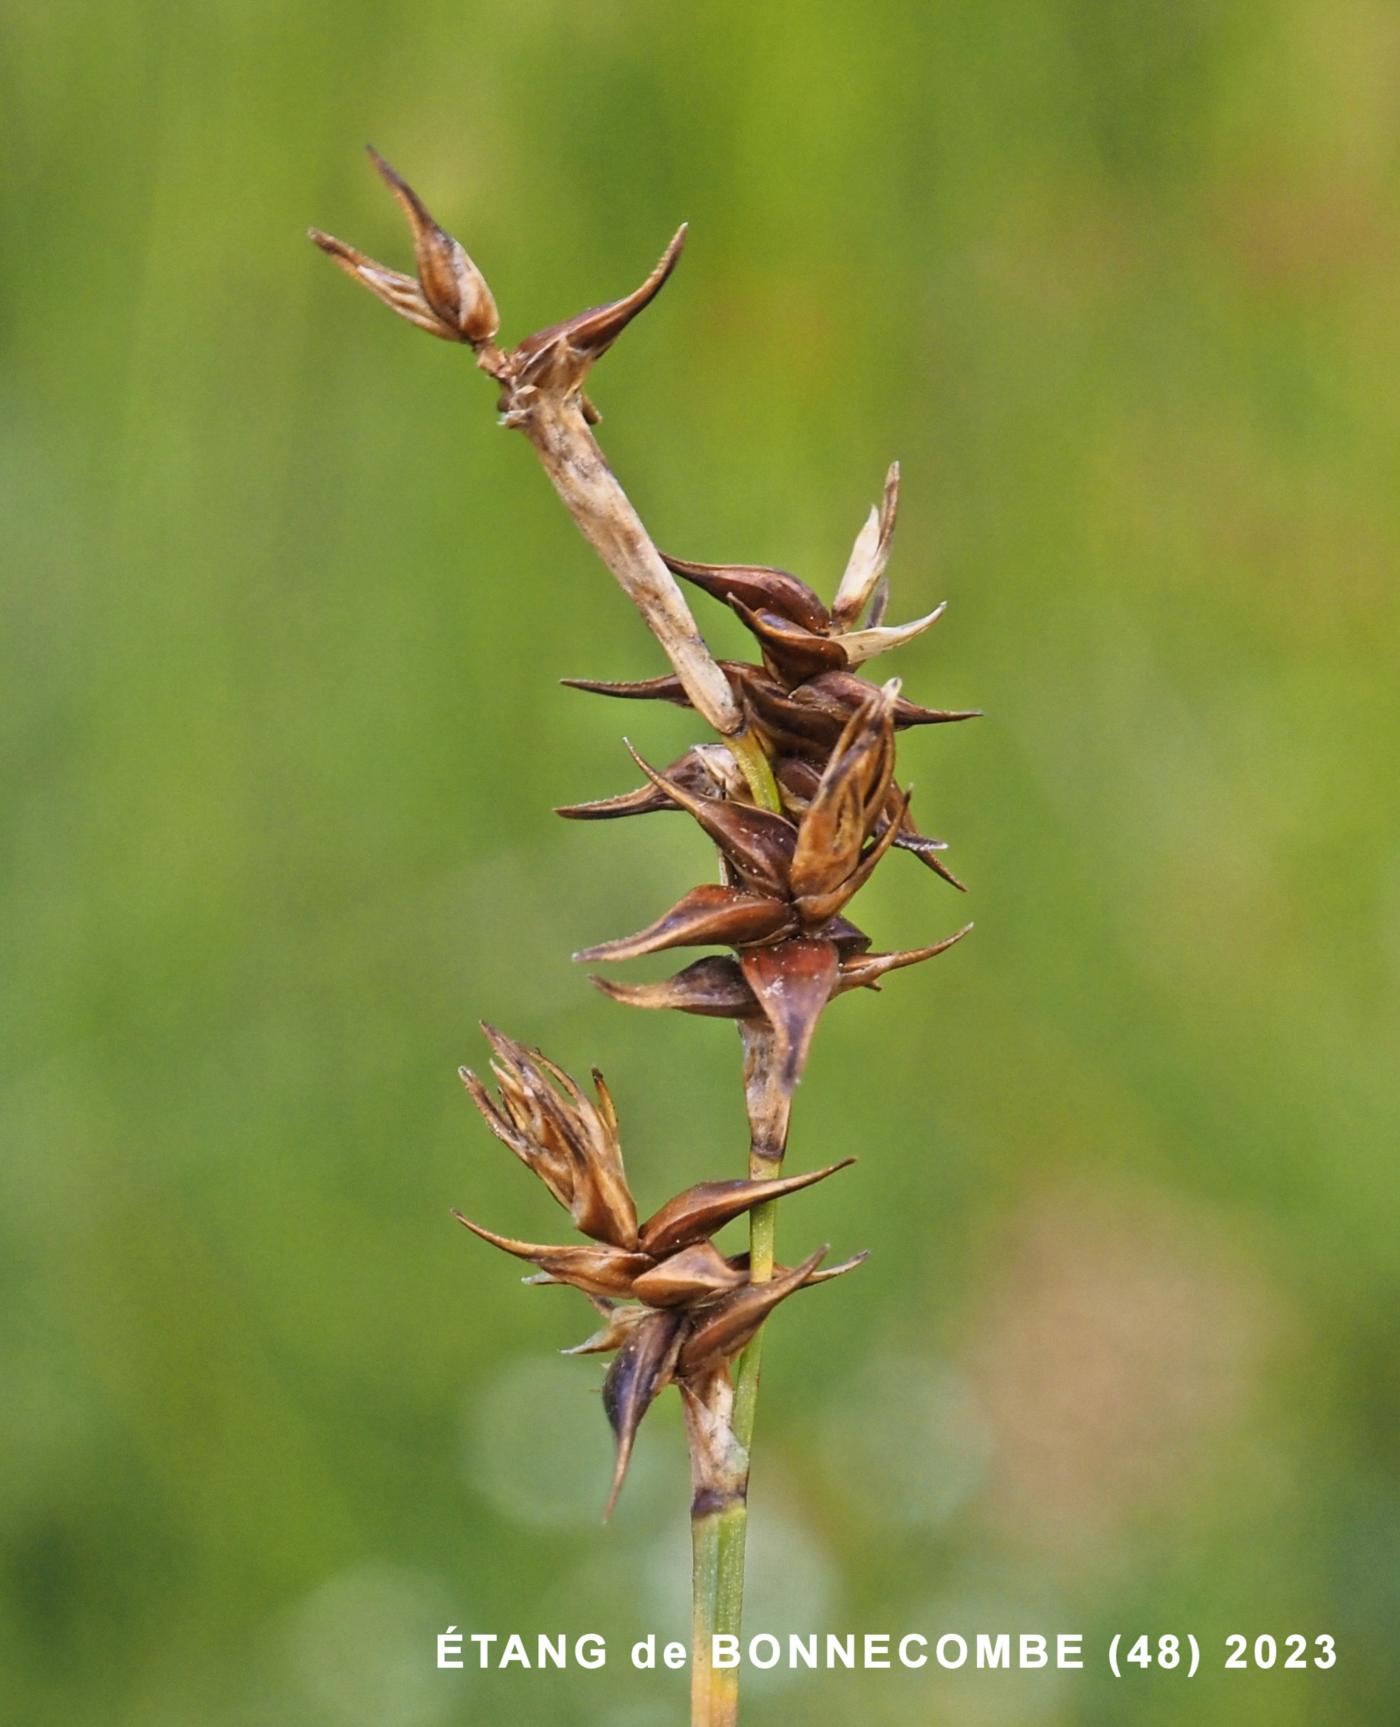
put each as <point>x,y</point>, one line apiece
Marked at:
<point>796,789</point>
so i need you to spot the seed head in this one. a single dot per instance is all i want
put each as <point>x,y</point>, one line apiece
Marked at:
<point>673,1304</point>
<point>450,297</point>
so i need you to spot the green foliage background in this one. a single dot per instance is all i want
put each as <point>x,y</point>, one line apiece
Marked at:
<point>284,617</point>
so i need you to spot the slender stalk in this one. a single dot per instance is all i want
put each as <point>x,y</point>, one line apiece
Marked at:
<point>704,1576</point>
<point>604,514</point>
<point>719,1478</point>
<point>557,427</point>
<point>768,1105</point>
<point>558,430</point>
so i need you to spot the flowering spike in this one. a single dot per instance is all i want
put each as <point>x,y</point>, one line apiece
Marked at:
<point>452,285</point>
<point>450,298</point>
<point>802,803</point>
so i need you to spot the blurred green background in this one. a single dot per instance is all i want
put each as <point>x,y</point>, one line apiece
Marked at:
<point>284,616</point>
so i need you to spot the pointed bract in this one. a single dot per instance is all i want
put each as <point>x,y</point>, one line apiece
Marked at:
<point>731,1322</point>
<point>700,1211</point>
<point>740,1262</point>
<point>641,1371</point>
<point>691,1274</point>
<point>793,981</point>
<point>940,869</point>
<point>862,645</point>
<point>668,688</point>
<point>713,986</point>
<point>864,971</point>
<point>559,358</point>
<point>644,801</point>
<point>619,1322</point>
<point>705,771</point>
<point>398,292</point>
<point>757,588</point>
<point>595,1270</point>
<point>756,842</point>
<point>791,653</point>
<point>869,556</point>
<point>708,916</point>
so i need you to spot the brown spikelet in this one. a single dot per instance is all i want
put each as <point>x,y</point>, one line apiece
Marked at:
<point>700,1211</point>
<point>759,589</point>
<point>640,1371</point>
<point>707,916</point>
<point>713,986</point>
<point>450,297</point>
<point>730,1323</point>
<point>559,358</point>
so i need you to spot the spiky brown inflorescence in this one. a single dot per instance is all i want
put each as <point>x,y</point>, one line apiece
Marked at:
<point>675,1308</point>
<point>801,802</point>
<point>787,879</point>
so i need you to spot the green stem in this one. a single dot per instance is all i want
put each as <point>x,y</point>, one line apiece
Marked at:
<point>718,1473</point>
<point>763,1236</point>
<point>763,1232</point>
<point>729,1582</point>
<point>720,1422</point>
<point>734,1523</point>
<point>765,1159</point>
<point>704,1543</point>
